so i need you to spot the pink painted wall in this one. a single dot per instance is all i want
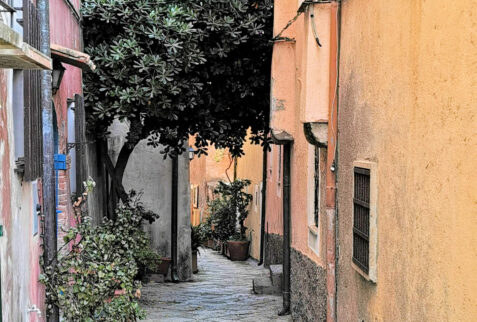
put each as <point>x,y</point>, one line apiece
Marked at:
<point>299,93</point>
<point>274,201</point>
<point>65,31</point>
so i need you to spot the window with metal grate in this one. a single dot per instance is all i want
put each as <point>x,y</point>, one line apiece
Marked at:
<point>361,207</point>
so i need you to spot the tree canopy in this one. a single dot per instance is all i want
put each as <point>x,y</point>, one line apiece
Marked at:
<point>176,68</point>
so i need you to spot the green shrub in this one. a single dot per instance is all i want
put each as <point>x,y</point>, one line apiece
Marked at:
<point>229,210</point>
<point>94,280</point>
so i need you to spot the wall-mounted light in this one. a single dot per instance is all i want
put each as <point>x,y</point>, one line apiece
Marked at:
<point>57,76</point>
<point>191,153</point>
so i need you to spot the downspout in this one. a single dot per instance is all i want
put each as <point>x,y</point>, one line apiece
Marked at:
<point>264,205</point>
<point>174,194</point>
<point>286,229</point>
<point>330,198</point>
<point>48,178</point>
<point>284,138</point>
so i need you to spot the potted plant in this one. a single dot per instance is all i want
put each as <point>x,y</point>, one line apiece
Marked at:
<point>229,212</point>
<point>207,233</point>
<point>238,245</point>
<point>147,261</point>
<point>222,216</point>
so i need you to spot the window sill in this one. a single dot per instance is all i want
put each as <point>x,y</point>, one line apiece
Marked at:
<point>363,274</point>
<point>314,230</point>
<point>314,239</point>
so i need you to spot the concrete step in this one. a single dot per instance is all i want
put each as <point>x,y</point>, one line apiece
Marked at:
<point>276,276</point>
<point>263,285</point>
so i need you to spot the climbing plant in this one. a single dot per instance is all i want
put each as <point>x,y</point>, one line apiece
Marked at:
<point>95,275</point>
<point>178,68</point>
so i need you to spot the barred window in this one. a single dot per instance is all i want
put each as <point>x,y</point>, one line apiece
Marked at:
<point>361,207</point>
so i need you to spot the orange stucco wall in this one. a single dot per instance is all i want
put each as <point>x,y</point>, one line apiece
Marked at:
<point>205,172</point>
<point>300,93</point>
<point>218,165</point>
<point>250,166</point>
<point>408,76</point>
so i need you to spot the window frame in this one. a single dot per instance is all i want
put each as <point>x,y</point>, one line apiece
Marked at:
<point>371,275</point>
<point>316,180</point>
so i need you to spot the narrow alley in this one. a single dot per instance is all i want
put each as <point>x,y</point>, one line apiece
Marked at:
<point>221,291</point>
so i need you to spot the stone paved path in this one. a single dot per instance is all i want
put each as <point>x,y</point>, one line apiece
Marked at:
<point>221,291</point>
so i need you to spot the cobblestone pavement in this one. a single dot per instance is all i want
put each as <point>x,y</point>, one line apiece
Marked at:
<point>221,291</point>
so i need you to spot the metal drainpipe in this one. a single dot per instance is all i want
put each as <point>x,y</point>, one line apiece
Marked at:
<point>175,172</point>
<point>264,205</point>
<point>48,179</point>
<point>330,198</point>
<point>286,229</point>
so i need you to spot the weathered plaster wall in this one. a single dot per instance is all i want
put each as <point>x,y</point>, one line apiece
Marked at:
<point>148,173</point>
<point>20,245</point>
<point>65,31</point>
<point>300,93</point>
<point>274,201</point>
<point>250,166</point>
<point>408,102</point>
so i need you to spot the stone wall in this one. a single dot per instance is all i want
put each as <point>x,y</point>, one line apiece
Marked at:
<point>273,249</point>
<point>308,289</point>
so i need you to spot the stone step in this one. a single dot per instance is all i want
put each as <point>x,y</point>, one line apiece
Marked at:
<point>263,285</point>
<point>276,276</point>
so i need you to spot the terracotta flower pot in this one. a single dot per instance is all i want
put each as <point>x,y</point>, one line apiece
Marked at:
<point>210,243</point>
<point>238,250</point>
<point>163,267</point>
<point>195,269</point>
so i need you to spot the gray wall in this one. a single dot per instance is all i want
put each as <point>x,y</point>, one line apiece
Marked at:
<point>147,172</point>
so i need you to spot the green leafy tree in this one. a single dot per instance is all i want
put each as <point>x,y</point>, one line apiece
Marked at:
<point>177,68</point>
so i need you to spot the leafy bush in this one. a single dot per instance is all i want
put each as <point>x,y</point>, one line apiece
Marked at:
<point>205,230</point>
<point>95,279</point>
<point>196,237</point>
<point>229,210</point>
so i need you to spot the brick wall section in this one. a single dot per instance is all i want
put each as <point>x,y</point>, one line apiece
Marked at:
<point>63,205</point>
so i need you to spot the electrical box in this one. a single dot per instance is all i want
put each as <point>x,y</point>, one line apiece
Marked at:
<point>60,161</point>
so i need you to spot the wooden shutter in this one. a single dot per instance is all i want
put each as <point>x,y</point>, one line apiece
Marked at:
<point>80,136</point>
<point>33,138</point>
<point>361,202</point>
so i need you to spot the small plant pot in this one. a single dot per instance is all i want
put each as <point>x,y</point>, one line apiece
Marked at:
<point>227,251</point>
<point>163,267</point>
<point>210,243</point>
<point>195,269</point>
<point>238,250</point>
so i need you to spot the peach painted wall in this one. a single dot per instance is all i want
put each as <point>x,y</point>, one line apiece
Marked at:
<point>206,171</point>
<point>250,166</point>
<point>300,93</point>
<point>274,213</point>
<point>408,102</point>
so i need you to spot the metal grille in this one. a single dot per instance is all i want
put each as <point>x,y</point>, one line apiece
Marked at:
<point>32,90</point>
<point>317,187</point>
<point>361,218</point>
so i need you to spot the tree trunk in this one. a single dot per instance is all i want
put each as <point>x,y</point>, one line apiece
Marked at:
<point>117,191</point>
<point>137,131</point>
